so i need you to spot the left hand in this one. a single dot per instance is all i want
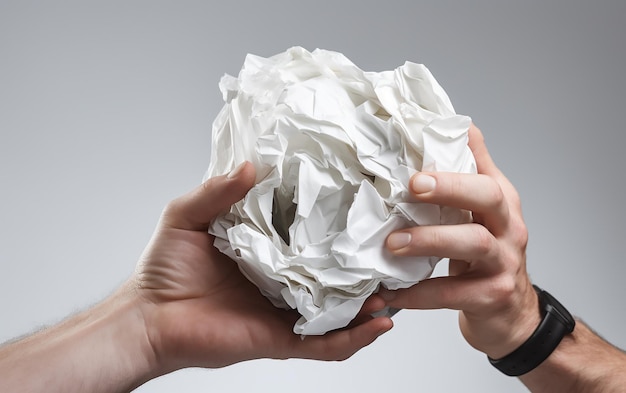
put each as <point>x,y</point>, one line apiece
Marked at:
<point>201,311</point>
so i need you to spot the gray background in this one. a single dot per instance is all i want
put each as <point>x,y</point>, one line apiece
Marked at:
<point>106,111</point>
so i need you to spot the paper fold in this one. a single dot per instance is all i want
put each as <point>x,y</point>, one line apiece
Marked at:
<point>334,149</point>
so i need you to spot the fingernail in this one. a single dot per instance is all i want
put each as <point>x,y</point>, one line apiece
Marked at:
<point>386,294</point>
<point>235,172</point>
<point>398,240</point>
<point>423,183</point>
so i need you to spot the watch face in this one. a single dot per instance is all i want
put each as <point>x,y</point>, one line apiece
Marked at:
<point>555,308</point>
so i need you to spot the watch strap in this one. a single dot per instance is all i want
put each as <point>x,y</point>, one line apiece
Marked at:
<point>555,324</point>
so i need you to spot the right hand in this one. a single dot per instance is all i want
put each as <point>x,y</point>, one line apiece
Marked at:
<point>487,279</point>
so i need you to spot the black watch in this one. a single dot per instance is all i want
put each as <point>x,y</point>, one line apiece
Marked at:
<point>556,322</point>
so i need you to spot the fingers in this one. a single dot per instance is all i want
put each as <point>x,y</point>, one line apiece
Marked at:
<point>487,277</point>
<point>476,143</point>
<point>454,292</point>
<point>488,195</point>
<point>468,242</point>
<point>196,209</point>
<point>495,207</point>
<point>480,194</point>
<point>341,344</point>
<point>373,304</point>
<point>485,164</point>
<point>433,293</point>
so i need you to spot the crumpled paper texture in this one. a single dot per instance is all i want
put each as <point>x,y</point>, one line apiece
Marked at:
<point>334,148</point>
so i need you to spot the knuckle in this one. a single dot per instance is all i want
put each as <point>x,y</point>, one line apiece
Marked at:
<point>432,240</point>
<point>171,208</point>
<point>208,184</point>
<point>503,289</point>
<point>496,194</point>
<point>430,237</point>
<point>513,196</point>
<point>519,233</point>
<point>484,241</point>
<point>455,186</point>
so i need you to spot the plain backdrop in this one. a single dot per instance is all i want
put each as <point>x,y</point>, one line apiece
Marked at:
<point>105,115</point>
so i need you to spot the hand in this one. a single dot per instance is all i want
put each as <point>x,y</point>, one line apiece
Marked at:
<point>487,279</point>
<point>201,311</point>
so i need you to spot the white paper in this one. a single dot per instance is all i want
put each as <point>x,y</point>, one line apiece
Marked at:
<point>334,148</point>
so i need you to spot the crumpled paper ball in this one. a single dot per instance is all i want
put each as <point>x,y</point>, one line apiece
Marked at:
<point>334,148</point>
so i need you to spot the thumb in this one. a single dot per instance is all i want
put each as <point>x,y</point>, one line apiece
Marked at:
<point>196,209</point>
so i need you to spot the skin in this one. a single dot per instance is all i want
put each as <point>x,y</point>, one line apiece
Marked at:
<point>186,305</point>
<point>488,282</point>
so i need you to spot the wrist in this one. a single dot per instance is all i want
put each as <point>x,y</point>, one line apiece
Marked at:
<point>114,331</point>
<point>556,323</point>
<point>518,328</point>
<point>127,334</point>
<point>508,327</point>
<point>583,362</point>
<point>102,349</point>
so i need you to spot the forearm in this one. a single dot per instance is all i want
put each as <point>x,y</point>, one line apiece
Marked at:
<point>583,362</point>
<point>103,349</point>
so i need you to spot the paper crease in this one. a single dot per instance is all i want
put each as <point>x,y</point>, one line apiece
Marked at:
<point>334,149</point>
